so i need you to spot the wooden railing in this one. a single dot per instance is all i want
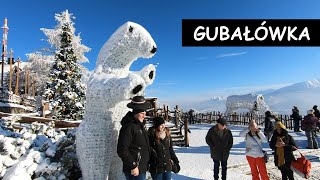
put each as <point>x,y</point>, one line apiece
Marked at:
<point>29,119</point>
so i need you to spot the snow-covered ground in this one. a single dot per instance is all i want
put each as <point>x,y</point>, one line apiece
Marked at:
<point>196,163</point>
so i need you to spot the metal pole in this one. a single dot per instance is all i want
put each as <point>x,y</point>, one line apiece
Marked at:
<point>2,67</point>
<point>4,49</point>
<point>10,80</point>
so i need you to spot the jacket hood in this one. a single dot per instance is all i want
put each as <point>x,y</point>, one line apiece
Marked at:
<point>127,119</point>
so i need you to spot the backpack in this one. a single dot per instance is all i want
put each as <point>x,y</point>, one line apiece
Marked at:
<point>301,166</point>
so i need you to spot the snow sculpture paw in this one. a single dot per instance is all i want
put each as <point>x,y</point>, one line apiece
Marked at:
<point>109,90</point>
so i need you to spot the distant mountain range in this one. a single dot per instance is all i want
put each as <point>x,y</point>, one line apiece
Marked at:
<point>303,95</point>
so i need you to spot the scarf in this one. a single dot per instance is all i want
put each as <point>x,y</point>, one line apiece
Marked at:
<point>280,153</point>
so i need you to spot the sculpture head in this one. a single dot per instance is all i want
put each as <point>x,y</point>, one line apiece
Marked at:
<point>129,42</point>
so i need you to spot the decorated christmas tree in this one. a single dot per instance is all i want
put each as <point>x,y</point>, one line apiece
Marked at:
<point>64,90</point>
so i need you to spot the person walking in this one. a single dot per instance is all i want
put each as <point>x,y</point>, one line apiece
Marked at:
<point>220,140</point>
<point>163,157</point>
<point>133,143</point>
<point>316,111</point>
<point>296,119</point>
<point>309,125</point>
<point>269,121</point>
<point>191,116</point>
<point>254,154</point>
<point>283,146</point>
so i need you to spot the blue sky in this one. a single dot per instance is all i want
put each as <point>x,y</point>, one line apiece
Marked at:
<point>183,73</point>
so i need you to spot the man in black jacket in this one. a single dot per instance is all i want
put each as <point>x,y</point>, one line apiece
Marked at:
<point>316,111</point>
<point>296,118</point>
<point>269,121</point>
<point>133,143</point>
<point>220,141</point>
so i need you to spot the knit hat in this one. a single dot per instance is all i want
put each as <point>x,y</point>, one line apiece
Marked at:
<point>280,125</point>
<point>157,121</point>
<point>268,113</point>
<point>222,121</point>
<point>311,111</point>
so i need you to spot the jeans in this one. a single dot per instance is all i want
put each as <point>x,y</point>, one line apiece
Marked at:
<point>140,177</point>
<point>216,169</point>
<point>162,176</point>
<point>312,139</point>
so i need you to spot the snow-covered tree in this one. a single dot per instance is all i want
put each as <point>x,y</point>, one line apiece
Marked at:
<point>64,91</point>
<point>39,66</point>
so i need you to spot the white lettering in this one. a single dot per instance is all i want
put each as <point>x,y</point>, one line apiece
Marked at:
<point>224,33</point>
<point>236,33</point>
<point>201,34</point>
<point>304,33</point>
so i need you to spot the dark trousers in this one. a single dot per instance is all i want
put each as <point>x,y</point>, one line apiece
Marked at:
<point>140,177</point>
<point>216,169</point>
<point>296,125</point>
<point>191,120</point>
<point>286,173</point>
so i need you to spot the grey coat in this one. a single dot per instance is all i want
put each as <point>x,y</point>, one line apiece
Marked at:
<point>219,146</point>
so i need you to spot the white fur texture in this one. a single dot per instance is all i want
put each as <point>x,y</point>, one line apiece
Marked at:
<point>108,92</point>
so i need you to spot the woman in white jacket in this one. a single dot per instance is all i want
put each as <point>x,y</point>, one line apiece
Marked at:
<point>254,138</point>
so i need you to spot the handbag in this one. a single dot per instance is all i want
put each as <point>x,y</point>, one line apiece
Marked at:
<point>301,166</point>
<point>265,154</point>
<point>175,167</point>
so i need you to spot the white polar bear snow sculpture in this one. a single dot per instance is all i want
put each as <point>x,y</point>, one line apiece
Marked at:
<point>108,91</point>
<point>246,101</point>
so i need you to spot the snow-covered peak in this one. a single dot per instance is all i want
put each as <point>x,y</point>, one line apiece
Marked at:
<point>218,98</point>
<point>313,83</point>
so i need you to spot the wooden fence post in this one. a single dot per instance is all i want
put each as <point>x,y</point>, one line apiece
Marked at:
<point>26,82</point>
<point>17,78</point>
<point>167,113</point>
<point>45,107</point>
<point>10,78</point>
<point>33,87</point>
<point>186,135</point>
<point>176,116</point>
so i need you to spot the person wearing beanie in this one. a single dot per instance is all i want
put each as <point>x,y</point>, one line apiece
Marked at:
<point>163,157</point>
<point>220,140</point>
<point>309,125</point>
<point>283,146</point>
<point>316,111</point>
<point>254,152</point>
<point>133,146</point>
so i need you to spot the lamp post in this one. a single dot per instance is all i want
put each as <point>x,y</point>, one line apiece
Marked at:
<point>4,49</point>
